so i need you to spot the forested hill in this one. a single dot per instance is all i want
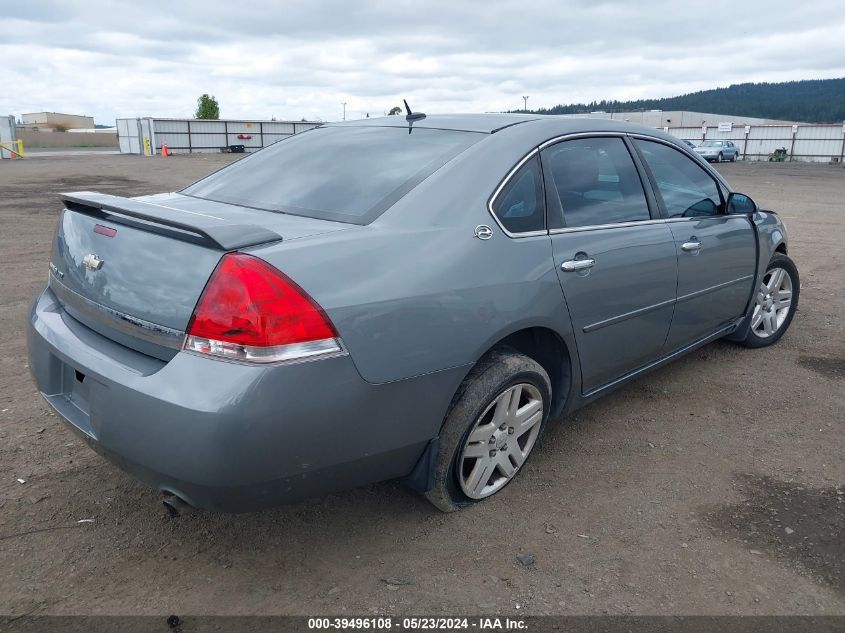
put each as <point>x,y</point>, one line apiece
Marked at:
<point>812,101</point>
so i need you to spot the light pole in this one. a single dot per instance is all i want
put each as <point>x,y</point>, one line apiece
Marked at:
<point>525,102</point>
<point>343,103</point>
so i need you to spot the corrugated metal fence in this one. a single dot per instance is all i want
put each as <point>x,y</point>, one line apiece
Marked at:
<point>7,135</point>
<point>185,136</point>
<point>808,143</point>
<point>803,142</point>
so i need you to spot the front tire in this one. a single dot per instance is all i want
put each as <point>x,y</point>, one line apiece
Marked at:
<point>775,302</point>
<point>491,429</point>
<point>719,158</point>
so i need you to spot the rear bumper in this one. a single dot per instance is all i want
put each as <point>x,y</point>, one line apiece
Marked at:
<point>227,436</point>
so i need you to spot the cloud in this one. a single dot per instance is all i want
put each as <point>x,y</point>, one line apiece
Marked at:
<point>302,59</point>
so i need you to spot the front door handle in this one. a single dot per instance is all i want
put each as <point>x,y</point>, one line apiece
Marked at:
<point>577,264</point>
<point>691,246</point>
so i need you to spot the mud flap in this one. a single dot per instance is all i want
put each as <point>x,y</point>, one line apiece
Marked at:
<point>421,478</point>
<point>741,331</point>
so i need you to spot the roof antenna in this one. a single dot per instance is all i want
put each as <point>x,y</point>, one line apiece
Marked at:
<point>412,116</point>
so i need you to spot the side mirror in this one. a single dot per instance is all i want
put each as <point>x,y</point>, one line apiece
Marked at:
<point>740,204</point>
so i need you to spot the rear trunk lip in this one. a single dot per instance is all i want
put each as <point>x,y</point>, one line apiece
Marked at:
<point>220,234</point>
<point>148,331</point>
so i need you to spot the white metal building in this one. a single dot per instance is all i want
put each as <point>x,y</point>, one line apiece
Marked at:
<point>678,118</point>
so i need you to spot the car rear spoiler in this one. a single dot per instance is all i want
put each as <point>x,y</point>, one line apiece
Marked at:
<point>187,226</point>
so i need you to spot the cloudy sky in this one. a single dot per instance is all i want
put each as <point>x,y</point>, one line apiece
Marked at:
<point>294,59</point>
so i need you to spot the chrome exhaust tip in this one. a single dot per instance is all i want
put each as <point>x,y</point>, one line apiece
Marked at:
<point>176,506</point>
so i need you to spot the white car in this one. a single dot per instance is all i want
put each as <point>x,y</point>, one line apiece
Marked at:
<point>718,151</point>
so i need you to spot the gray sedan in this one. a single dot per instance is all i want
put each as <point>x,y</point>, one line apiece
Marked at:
<point>405,298</point>
<point>717,151</point>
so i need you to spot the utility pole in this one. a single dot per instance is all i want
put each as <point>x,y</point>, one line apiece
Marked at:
<point>343,103</point>
<point>525,101</point>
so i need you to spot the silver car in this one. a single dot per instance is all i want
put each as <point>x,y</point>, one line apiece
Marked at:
<point>717,151</point>
<point>393,298</point>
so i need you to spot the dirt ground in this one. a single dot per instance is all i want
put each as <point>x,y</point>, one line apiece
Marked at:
<point>713,486</point>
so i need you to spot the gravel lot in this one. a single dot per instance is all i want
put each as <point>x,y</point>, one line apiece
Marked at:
<point>713,486</point>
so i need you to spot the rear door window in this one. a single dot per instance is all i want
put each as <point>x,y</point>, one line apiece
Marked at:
<point>596,182</point>
<point>686,189</point>
<point>344,173</point>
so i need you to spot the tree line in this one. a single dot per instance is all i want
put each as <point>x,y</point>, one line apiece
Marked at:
<point>809,101</point>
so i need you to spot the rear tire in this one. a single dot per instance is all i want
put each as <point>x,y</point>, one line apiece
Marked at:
<point>719,158</point>
<point>775,302</point>
<point>735,157</point>
<point>492,427</point>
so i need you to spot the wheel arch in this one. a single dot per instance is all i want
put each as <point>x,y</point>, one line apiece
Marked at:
<point>544,345</point>
<point>548,348</point>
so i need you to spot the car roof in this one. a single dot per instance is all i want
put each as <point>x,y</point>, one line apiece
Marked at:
<point>486,123</point>
<point>489,123</point>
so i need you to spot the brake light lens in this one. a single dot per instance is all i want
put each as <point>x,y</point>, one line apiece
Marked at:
<point>252,312</point>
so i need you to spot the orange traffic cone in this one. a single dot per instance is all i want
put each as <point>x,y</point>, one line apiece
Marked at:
<point>164,151</point>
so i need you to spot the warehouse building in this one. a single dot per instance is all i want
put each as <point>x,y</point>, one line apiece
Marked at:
<point>55,121</point>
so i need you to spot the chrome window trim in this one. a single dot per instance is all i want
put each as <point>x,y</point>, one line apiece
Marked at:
<point>593,227</point>
<point>721,216</point>
<point>498,190</point>
<point>645,185</point>
<point>619,225</point>
<point>696,157</point>
<point>596,227</point>
<point>566,137</point>
<point>526,234</point>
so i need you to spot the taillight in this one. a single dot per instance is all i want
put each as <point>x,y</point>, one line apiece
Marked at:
<point>249,311</point>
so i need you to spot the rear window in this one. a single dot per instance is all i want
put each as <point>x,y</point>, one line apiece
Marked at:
<point>348,174</point>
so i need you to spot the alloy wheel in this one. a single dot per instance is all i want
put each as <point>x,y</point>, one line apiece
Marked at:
<point>772,303</point>
<point>500,441</point>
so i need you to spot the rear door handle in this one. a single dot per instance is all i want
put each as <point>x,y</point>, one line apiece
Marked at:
<point>577,264</point>
<point>691,247</point>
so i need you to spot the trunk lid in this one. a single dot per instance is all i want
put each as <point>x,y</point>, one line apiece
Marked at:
<point>132,269</point>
